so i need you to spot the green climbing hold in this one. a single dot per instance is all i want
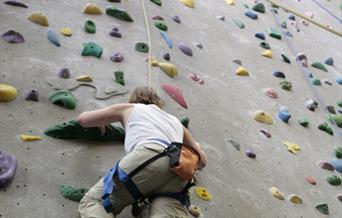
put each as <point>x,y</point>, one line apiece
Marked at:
<point>338,152</point>
<point>119,13</point>
<point>157,2</point>
<point>274,5</point>
<point>246,6</point>
<point>72,193</point>
<point>160,25</point>
<point>339,103</point>
<point>92,49</point>
<point>265,45</point>
<point>141,46</point>
<point>286,85</point>
<point>63,98</point>
<point>274,33</point>
<point>239,23</point>
<point>89,26</point>
<point>319,66</point>
<point>73,130</point>
<point>334,180</point>
<point>286,59</point>
<point>316,82</point>
<point>119,77</point>
<point>335,118</point>
<point>259,7</point>
<point>185,121</point>
<point>323,208</point>
<point>326,128</point>
<point>303,121</point>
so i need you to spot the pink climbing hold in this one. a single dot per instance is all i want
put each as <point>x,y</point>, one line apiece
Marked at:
<point>175,93</point>
<point>196,78</point>
<point>310,180</point>
<point>326,165</point>
<point>270,92</point>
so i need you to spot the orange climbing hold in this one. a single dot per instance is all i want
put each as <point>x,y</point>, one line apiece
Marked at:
<point>203,193</point>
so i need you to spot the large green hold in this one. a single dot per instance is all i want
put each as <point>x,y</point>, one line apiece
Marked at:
<point>63,98</point>
<point>160,25</point>
<point>334,180</point>
<point>119,13</point>
<point>338,152</point>
<point>319,66</point>
<point>303,121</point>
<point>72,193</point>
<point>337,118</point>
<point>89,26</point>
<point>323,208</point>
<point>185,121</point>
<point>157,2</point>
<point>274,33</point>
<point>260,7</point>
<point>119,77</point>
<point>326,128</point>
<point>73,130</point>
<point>92,49</point>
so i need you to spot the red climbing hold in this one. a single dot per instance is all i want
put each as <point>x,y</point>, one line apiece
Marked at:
<point>175,93</point>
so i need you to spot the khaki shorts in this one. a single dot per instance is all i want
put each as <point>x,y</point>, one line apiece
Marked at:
<point>154,178</point>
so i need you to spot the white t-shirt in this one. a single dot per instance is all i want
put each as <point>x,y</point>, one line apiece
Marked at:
<point>148,122</point>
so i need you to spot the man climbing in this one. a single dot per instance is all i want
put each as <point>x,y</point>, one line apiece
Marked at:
<point>149,131</point>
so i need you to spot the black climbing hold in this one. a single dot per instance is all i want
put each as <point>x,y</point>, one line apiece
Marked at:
<point>235,144</point>
<point>166,56</point>
<point>31,95</point>
<point>331,109</point>
<point>286,59</point>
<point>64,73</point>
<point>311,104</point>
<point>119,77</point>
<point>292,17</point>
<point>185,121</point>
<point>15,3</point>
<point>265,45</point>
<point>250,153</point>
<point>142,47</point>
<point>279,74</point>
<point>260,36</point>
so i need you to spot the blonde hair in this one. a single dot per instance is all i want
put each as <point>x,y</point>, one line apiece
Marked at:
<point>146,95</point>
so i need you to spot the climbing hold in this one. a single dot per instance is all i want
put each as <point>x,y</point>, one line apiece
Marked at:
<point>73,130</point>
<point>331,109</point>
<point>15,3</point>
<point>157,17</point>
<point>119,77</point>
<point>185,121</point>
<point>283,25</point>
<point>7,93</point>
<point>63,98</point>
<point>236,145</point>
<point>157,2</point>
<point>189,3</point>
<point>286,85</point>
<point>8,167</point>
<point>260,36</point>
<point>328,82</point>
<point>194,210</point>
<point>329,61</point>
<point>326,165</point>
<point>334,180</point>
<point>337,164</point>
<point>92,49</point>
<point>291,147</point>
<point>31,95</point>
<point>119,13</point>
<point>27,138</point>
<point>279,74</point>
<point>309,14</point>
<point>241,71</point>
<point>339,80</point>
<point>203,193</point>
<point>302,59</point>
<point>196,78</point>
<point>39,18</point>
<point>166,56</point>
<point>323,208</point>
<point>310,180</point>
<point>311,104</point>
<point>265,45</point>
<point>335,118</point>
<point>326,128</point>
<point>53,38</point>
<point>167,39</point>
<point>117,57</point>
<point>251,15</point>
<point>286,59</point>
<point>175,93</point>
<point>250,153</point>
<point>339,196</point>
<point>338,152</point>
<point>66,31</point>
<point>222,18</point>
<point>292,17</point>
<point>303,121</point>
<point>85,78</point>
<point>92,8</point>
<point>198,45</point>
<point>339,103</point>
<point>266,133</point>
<point>230,2</point>
<point>284,115</point>
<point>168,68</point>
<point>287,33</point>
<point>276,193</point>
<point>316,82</point>
<point>64,73</point>
<point>115,33</point>
<point>160,25</point>
<point>262,117</point>
<point>295,199</point>
<point>176,19</point>
<point>259,7</point>
<point>274,33</point>
<point>72,193</point>
<point>89,26</point>
<point>237,61</point>
<point>239,23</point>
<point>12,36</point>
<point>267,53</point>
<point>141,46</point>
<point>184,48</point>
<point>319,66</point>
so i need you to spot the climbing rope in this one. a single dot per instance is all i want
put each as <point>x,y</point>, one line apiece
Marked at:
<point>148,43</point>
<point>329,12</point>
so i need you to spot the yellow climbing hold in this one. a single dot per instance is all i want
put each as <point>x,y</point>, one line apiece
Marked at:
<point>168,68</point>
<point>276,193</point>
<point>154,62</point>
<point>27,138</point>
<point>92,8</point>
<point>230,2</point>
<point>7,93</point>
<point>189,3</point>
<point>66,31</point>
<point>291,147</point>
<point>203,193</point>
<point>262,117</point>
<point>85,78</point>
<point>39,18</point>
<point>295,199</point>
<point>241,71</point>
<point>267,53</point>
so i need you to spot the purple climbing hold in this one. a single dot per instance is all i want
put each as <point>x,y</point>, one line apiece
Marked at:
<point>117,57</point>
<point>157,17</point>
<point>166,56</point>
<point>8,167</point>
<point>279,74</point>
<point>176,19</point>
<point>250,153</point>
<point>326,165</point>
<point>64,73</point>
<point>311,104</point>
<point>260,36</point>
<point>12,36</point>
<point>185,49</point>
<point>15,3</point>
<point>302,59</point>
<point>115,33</point>
<point>31,95</point>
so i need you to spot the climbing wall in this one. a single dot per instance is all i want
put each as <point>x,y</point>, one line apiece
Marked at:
<point>223,84</point>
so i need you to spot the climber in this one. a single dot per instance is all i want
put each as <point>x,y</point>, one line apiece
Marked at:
<point>149,131</point>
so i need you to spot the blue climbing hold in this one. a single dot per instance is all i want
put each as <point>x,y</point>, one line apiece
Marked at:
<point>339,80</point>
<point>337,164</point>
<point>53,38</point>
<point>284,114</point>
<point>279,74</point>
<point>260,36</point>
<point>251,15</point>
<point>166,38</point>
<point>329,61</point>
<point>292,17</point>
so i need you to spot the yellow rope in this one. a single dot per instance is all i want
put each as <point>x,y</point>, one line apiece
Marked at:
<point>148,43</point>
<point>306,18</point>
